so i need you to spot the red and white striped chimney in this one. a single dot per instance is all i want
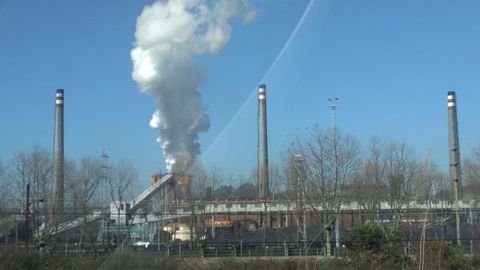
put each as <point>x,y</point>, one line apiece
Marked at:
<point>262,185</point>
<point>58,159</point>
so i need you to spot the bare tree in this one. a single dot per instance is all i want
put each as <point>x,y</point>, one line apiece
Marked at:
<point>123,178</point>
<point>441,186</point>
<point>4,186</point>
<point>246,190</point>
<point>2,172</point>
<point>290,175</point>
<point>204,180</point>
<point>325,166</point>
<point>403,168</point>
<point>431,182</point>
<point>35,168</point>
<point>6,221</point>
<point>276,179</point>
<point>199,180</point>
<point>329,167</point>
<point>389,174</point>
<point>88,178</point>
<point>215,178</point>
<point>70,178</point>
<point>19,174</point>
<point>472,174</point>
<point>368,188</point>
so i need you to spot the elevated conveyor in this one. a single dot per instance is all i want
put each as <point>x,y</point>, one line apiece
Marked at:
<point>150,191</point>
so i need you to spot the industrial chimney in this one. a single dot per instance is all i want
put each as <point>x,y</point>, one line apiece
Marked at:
<point>263,189</point>
<point>58,173</point>
<point>453,138</point>
<point>454,155</point>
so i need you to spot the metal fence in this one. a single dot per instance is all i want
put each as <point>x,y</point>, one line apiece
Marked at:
<point>181,249</point>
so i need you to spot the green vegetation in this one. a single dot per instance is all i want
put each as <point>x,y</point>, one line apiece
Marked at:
<point>14,258</point>
<point>369,248</point>
<point>365,239</point>
<point>130,260</point>
<point>439,255</point>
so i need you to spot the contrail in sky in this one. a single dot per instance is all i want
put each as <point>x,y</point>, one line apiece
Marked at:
<point>270,69</point>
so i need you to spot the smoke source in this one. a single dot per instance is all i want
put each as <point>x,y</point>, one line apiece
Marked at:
<point>168,35</point>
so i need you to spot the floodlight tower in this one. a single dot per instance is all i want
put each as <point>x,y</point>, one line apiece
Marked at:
<point>333,107</point>
<point>299,160</point>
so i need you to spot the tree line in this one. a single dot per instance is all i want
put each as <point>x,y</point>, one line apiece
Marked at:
<point>90,183</point>
<point>320,170</point>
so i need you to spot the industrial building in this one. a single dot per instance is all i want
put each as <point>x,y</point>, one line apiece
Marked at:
<point>166,214</point>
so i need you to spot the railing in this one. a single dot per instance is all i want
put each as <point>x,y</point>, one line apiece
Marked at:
<point>220,250</point>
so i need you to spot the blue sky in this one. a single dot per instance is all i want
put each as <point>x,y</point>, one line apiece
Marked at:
<point>391,64</point>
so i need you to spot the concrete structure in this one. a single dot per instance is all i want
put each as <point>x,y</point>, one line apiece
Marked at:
<point>262,185</point>
<point>244,216</point>
<point>163,196</point>
<point>58,160</point>
<point>453,143</point>
<point>454,155</point>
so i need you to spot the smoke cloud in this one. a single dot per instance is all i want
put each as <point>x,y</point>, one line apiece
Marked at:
<point>168,35</point>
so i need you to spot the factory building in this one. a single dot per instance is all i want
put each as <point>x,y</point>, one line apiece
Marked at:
<point>166,210</point>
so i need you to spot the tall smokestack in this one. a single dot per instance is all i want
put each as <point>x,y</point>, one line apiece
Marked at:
<point>262,187</point>
<point>454,154</point>
<point>58,173</point>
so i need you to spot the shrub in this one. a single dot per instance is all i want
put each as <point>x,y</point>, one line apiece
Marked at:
<point>441,255</point>
<point>368,248</point>
<point>365,239</point>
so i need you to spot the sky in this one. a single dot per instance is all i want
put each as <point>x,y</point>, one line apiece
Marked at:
<point>390,63</point>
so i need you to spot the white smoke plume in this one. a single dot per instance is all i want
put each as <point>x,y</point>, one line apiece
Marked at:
<point>168,35</point>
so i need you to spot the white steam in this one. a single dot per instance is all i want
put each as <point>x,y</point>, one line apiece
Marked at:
<point>168,35</point>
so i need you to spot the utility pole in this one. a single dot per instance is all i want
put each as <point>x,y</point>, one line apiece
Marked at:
<point>333,107</point>
<point>299,159</point>
<point>27,221</point>
<point>104,198</point>
<point>105,176</point>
